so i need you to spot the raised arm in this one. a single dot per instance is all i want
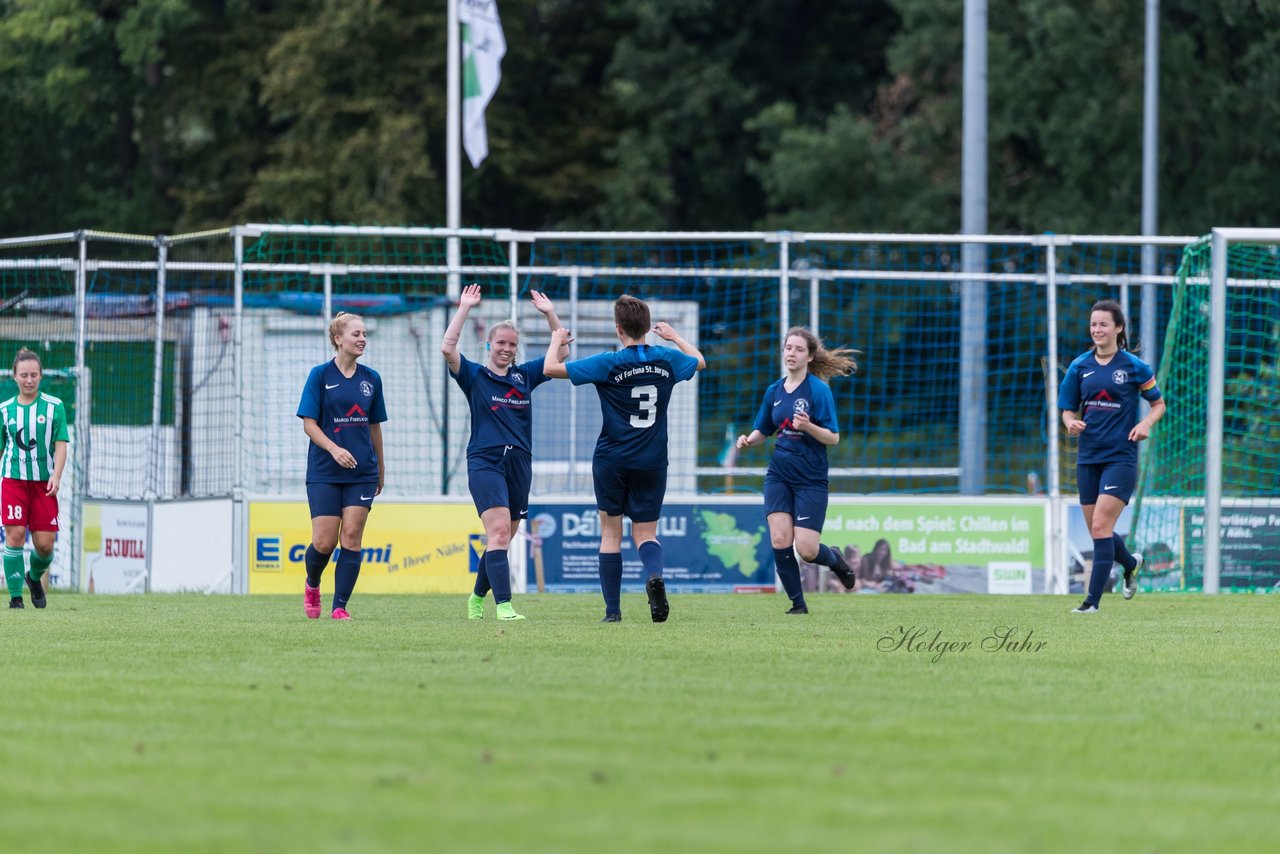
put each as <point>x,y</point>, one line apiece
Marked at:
<point>544,305</point>
<point>553,364</point>
<point>467,300</point>
<point>664,331</point>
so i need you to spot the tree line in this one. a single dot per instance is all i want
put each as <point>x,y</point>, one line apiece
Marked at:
<point>175,115</point>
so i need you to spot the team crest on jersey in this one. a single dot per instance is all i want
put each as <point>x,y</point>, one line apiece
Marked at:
<point>801,407</point>
<point>40,419</point>
<point>517,377</point>
<point>366,388</point>
<point>1120,378</point>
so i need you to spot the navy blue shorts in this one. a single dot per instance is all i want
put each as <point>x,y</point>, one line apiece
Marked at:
<point>329,499</point>
<point>1118,479</point>
<point>500,477</point>
<point>637,493</point>
<point>807,505</point>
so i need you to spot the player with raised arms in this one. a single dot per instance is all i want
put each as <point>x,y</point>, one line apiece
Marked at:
<point>33,453</point>
<point>342,411</point>
<point>800,409</point>
<point>629,467</point>
<point>1099,403</point>
<point>500,451</point>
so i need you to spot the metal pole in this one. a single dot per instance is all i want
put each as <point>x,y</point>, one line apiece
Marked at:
<point>83,411</point>
<point>328,298</point>
<point>973,304</point>
<point>453,147</point>
<point>1054,482</point>
<point>1213,436</point>
<point>573,389</point>
<point>513,279</point>
<point>813,304</point>
<point>239,555</point>
<point>784,295</point>
<point>157,376</point>
<point>1150,181</point>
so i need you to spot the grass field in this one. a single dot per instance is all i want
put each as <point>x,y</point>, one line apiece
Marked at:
<point>192,723</point>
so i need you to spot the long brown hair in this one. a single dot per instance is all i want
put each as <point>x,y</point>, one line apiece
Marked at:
<point>1117,316</point>
<point>826,363</point>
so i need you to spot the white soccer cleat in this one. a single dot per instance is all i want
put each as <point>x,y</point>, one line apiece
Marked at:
<point>1131,578</point>
<point>1085,608</point>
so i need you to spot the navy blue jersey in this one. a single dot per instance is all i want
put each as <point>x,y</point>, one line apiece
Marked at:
<point>634,385</point>
<point>1106,396</point>
<point>344,409</point>
<point>500,405</point>
<point>798,458</point>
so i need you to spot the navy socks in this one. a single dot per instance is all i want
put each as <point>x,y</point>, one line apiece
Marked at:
<point>315,562</point>
<point>498,568</point>
<point>789,573</point>
<point>611,582</point>
<point>344,580</point>
<point>1103,559</point>
<point>651,557</point>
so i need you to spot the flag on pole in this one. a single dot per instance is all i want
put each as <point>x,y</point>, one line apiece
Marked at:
<point>483,47</point>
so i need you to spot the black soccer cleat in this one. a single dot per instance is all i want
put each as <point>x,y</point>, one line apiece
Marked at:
<point>612,618</point>
<point>843,572</point>
<point>799,609</point>
<point>659,607</point>
<point>16,602</point>
<point>37,592</point>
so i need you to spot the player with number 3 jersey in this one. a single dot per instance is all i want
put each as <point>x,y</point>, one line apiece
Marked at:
<point>629,467</point>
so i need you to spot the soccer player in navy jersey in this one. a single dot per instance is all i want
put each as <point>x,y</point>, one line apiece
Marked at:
<point>342,411</point>
<point>629,467</point>
<point>1099,403</point>
<point>500,452</point>
<point>800,409</point>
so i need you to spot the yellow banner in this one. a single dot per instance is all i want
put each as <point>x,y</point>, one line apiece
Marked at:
<point>408,548</point>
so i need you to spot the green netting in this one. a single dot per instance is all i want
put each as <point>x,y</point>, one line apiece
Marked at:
<point>1169,518</point>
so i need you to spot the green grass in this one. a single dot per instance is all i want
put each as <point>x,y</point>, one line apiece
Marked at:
<point>191,723</point>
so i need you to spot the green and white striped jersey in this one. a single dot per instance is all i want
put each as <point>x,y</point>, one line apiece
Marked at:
<point>30,431</point>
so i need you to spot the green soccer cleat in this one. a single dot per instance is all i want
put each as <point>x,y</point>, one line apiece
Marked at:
<point>507,612</point>
<point>475,607</point>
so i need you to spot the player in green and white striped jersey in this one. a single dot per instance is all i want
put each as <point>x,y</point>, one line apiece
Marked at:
<point>33,452</point>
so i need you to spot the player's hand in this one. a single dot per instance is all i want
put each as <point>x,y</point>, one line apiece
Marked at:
<point>801,422</point>
<point>664,331</point>
<point>744,442</point>
<point>343,457</point>
<point>470,296</point>
<point>562,336</point>
<point>1075,427</point>
<point>54,483</point>
<point>541,302</point>
<point>1139,432</point>
<point>378,491</point>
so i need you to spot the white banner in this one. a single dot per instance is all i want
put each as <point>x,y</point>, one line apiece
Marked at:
<point>483,47</point>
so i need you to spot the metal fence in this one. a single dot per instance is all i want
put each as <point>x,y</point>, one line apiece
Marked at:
<point>189,351</point>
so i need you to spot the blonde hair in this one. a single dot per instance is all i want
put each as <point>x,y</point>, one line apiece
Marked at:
<point>826,363</point>
<point>26,355</point>
<point>502,324</point>
<point>338,326</point>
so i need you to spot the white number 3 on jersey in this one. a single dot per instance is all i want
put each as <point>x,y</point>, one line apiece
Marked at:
<point>646,396</point>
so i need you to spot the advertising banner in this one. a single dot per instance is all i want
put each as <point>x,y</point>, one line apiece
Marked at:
<point>941,546</point>
<point>113,548</point>
<point>707,547</point>
<point>408,548</point>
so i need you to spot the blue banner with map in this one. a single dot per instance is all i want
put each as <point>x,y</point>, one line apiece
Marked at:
<point>707,547</point>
